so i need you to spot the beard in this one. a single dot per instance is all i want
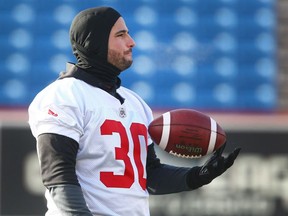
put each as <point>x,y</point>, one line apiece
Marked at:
<point>118,59</point>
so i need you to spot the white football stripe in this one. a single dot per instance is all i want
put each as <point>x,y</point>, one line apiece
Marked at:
<point>213,136</point>
<point>166,130</point>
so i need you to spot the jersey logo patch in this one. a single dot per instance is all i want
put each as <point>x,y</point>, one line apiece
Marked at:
<point>122,112</point>
<point>50,112</point>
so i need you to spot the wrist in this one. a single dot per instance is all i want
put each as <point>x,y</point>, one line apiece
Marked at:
<point>193,179</point>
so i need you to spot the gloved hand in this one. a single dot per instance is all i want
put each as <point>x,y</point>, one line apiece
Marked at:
<point>214,167</point>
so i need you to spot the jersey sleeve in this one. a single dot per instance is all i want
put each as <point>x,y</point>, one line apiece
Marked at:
<point>56,111</point>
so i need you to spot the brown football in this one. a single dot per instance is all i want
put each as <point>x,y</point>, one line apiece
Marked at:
<point>187,133</point>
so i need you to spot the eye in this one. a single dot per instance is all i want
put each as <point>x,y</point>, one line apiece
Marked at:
<point>120,35</point>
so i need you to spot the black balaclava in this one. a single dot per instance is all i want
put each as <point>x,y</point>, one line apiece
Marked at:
<point>89,35</point>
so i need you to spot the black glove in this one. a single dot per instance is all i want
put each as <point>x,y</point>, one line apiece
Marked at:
<point>214,167</point>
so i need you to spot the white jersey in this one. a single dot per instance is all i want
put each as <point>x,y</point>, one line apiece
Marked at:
<point>112,137</point>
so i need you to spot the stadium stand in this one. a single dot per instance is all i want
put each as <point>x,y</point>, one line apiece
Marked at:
<point>216,54</point>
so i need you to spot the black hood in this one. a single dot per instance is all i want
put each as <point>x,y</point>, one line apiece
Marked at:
<point>89,35</point>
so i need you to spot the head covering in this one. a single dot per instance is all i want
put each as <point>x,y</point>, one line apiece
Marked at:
<point>89,36</point>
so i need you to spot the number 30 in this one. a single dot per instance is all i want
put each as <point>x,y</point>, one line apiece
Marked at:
<point>109,179</point>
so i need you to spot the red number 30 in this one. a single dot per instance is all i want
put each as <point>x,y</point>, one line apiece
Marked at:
<point>109,179</point>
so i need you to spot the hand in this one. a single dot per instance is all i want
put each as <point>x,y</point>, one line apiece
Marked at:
<point>214,167</point>
<point>217,165</point>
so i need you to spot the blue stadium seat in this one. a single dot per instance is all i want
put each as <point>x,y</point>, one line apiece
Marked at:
<point>207,39</point>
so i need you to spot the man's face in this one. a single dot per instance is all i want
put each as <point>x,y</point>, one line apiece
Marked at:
<point>120,46</point>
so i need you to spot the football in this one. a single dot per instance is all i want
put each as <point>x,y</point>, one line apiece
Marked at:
<point>187,133</point>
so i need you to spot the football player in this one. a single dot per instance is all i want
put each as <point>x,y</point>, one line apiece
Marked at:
<point>95,154</point>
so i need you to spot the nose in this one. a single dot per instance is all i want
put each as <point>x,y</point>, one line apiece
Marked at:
<point>131,42</point>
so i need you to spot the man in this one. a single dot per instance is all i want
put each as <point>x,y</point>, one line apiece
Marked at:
<point>95,154</point>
